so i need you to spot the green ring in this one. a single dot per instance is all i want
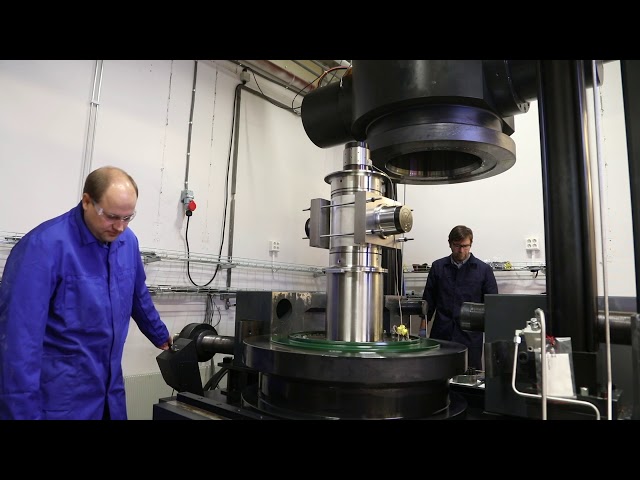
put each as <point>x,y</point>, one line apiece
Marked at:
<point>317,341</point>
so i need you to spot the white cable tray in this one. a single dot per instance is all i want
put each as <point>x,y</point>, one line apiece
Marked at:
<point>163,289</point>
<point>224,292</point>
<point>10,238</point>
<point>501,266</point>
<point>226,262</point>
<point>150,256</point>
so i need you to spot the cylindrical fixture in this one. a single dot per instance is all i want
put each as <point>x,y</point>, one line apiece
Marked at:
<point>356,155</point>
<point>326,114</point>
<point>619,327</point>
<point>355,278</point>
<point>345,183</point>
<point>390,220</point>
<point>472,316</point>
<point>354,302</point>
<point>212,344</point>
<point>568,207</point>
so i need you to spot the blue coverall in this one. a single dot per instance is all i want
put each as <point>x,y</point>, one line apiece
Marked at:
<point>447,288</point>
<point>66,301</point>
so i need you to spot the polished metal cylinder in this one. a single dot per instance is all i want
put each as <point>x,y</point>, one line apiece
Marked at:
<point>355,282</point>
<point>356,155</point>
<point>390,220</point>
<point>355,312</point>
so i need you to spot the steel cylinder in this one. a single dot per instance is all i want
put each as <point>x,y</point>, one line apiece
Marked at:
<point>355,277</point>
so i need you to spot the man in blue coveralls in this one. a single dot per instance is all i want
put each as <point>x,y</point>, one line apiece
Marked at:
<point>452,281</point>
<point>69,289</point>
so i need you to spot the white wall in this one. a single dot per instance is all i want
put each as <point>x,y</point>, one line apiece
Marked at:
<point>504,210</point>
<point>142,126</point>
<point>501,210</point>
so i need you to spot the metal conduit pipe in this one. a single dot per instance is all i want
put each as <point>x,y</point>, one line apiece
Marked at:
<point>326,79</point>
<point>603,237</point>
<point>93,120</point>
<point>276,74</point>
<point>234,168</point>
<point>193,101</point>
<point>235,130</point>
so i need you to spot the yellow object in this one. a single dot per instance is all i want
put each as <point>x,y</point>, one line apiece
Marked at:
<point>401,330</point>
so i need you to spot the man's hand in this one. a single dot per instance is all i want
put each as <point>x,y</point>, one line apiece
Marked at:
<point>423,327</point>
<point>166,345</point>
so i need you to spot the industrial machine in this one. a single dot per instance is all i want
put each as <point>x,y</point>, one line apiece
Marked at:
<point>348,353</point>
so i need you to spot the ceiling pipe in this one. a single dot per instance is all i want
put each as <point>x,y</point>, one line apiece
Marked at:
<point>287,79</point>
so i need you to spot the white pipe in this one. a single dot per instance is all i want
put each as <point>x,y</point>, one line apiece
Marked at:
<point>280,73</point>
<point>91,128</point>
<point>603,231</point>
<point>343,63</point>
<point>543,359</point>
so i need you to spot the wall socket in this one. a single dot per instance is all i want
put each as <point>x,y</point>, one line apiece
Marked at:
<point>532,243</point>
<point>274,246</point>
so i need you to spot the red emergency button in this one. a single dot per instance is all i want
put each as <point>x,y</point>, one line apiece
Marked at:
<point>192,206</point>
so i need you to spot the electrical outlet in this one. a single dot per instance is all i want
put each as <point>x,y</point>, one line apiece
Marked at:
<point>532,243</point>
<point>274,246</point>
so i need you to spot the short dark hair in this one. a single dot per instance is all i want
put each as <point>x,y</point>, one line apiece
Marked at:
<point>460,232</point>
<point>98,181</point>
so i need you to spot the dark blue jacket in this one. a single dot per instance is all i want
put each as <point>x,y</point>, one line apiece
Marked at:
<point>66,301</point>
<point>447,288</point>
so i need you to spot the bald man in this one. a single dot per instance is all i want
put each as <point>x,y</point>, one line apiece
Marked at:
<point>69,289</point>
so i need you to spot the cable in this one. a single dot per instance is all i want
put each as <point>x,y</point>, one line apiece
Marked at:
<point>311,83</point>
<point>332,70</point>
<point>211,304</point>
<point>213,382</point>
<point>268,99</point>
<point>226,199</point>
<point>226,196</point>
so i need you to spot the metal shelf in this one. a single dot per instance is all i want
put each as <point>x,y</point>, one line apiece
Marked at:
<point>10,238</point>
<point>227,262</point>
<point>501,267</point>
<point>151,256</point>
